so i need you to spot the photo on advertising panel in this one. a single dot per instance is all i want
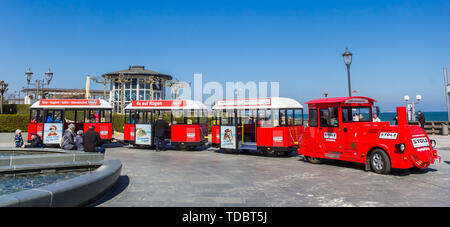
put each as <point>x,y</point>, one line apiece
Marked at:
<point>143,134</point>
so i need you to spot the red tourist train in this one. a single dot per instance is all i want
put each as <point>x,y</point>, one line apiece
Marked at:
<point>50,117</point>
<point>188,122</point>
<point>270,125</point>
<point>343,129</point>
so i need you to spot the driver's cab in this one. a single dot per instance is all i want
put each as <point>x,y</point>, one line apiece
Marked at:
<point>334,122</point>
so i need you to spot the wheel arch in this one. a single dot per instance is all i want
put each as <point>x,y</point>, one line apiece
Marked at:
<point>369,153</point>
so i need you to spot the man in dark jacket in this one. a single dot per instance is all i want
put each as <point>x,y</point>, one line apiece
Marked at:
<point>160,133</point>
<point>36,141</point>
<point>92,141</point>
<point>421,119</point>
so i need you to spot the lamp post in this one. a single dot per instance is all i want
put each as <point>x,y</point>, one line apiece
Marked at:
<point>348,61</point>
<point>3,89</point>
<point>104,82</point>
<point>412,110</point>
<point>39,83</point>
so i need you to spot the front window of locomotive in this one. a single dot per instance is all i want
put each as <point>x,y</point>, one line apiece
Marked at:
<point>356,114</point>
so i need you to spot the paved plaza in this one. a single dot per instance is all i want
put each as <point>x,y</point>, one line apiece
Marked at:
<point>211,178</point>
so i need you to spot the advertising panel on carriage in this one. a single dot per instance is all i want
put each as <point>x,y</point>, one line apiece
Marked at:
<point>143,134</point>
<point>53,133</point>
<point>228,137</point>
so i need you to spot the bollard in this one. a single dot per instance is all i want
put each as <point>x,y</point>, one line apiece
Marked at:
<point>444,129</point>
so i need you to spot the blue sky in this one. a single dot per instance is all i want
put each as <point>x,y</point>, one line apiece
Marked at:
<point>399,47</point>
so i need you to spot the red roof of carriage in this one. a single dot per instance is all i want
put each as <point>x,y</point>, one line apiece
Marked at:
<point>339,100</point>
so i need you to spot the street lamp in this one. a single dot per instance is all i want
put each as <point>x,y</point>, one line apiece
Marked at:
<point>3,89</point>
<point>412,111</point>
<point>39,83</point>
<point>348,61</point>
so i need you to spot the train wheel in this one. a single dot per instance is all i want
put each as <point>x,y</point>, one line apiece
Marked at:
<point>271,153</point>
<point>380,162</point>
<point>313,160</point>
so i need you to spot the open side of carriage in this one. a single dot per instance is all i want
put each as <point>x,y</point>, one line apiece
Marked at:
<point>273,126</point>
<point>50,117</point>
<point>188,122</point>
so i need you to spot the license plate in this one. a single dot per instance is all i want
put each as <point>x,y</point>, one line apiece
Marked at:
<point>436,161</point>
<point>420,142</point>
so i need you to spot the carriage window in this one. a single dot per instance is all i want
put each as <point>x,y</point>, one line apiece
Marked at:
<point>283,118</point>
<point>356,114</point>
<point>313,118</point>
<point>191,117</point>
<point>298,117</point>
<point>203,117</point>
<point>130,117</point>
<point>228,117</point>
<point>36,116</point>
<point>92,116</point>
<point>71,116</point>
<point>106,118</point>
<point>178,117</point>
<point>329,117</point>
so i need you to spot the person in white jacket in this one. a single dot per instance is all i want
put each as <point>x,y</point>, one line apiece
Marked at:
<point>376,118</point>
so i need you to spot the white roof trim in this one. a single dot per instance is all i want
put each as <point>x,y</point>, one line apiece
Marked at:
<point>102,104</point>
<point>257,103</point>
<point>190,105</point>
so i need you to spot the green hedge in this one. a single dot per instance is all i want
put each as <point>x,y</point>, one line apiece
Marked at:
<point>117,122</point>
<point>11,122</point>
<point>16,108</point>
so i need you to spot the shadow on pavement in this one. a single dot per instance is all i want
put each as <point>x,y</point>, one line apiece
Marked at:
<point>360,166</point>
<point>255,153</point>
<point>121,184</point>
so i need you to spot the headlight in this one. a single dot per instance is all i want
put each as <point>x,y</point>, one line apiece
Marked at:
<point>433,143</point>
<point>400,147</point>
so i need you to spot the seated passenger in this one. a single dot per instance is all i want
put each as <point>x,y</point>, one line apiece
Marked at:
<point>49,118</point>
<point>355,117</point>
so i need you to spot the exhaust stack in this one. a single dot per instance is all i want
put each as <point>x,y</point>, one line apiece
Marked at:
<point>402,117</point>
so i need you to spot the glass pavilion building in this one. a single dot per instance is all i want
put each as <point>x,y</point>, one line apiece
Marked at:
<point>135,83</point>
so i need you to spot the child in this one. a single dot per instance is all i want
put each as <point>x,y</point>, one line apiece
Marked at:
<point>79,140</point>
<point>18,139</point>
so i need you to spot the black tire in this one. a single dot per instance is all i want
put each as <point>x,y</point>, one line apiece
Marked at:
<point>270,153</point>
<point>380,162</point>
<point>313,160</point>
<point>182,147</point>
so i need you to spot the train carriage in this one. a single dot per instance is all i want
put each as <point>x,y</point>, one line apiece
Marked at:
<point>50,117</point>
<point>188,122</point>
<point>270,125</point>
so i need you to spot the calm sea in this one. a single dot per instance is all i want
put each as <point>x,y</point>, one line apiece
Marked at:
<point>429,116</point>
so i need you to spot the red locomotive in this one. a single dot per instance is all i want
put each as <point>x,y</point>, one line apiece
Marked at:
<point>343,129</point>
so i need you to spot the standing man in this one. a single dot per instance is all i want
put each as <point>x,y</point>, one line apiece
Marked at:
<point>92,141</point>
<point>421,119</point>
<point>160,133</point>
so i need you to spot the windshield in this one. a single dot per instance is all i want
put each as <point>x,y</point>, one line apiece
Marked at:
<point>356,114</point>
